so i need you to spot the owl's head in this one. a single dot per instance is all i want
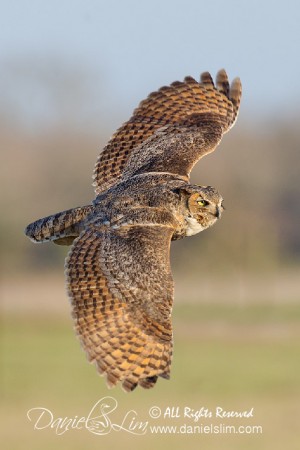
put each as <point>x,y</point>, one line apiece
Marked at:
<point>204,207</point>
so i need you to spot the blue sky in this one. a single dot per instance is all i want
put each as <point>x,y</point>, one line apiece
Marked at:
<point>111,54</point>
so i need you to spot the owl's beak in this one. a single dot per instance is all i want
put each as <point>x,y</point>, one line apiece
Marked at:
<point>218,212</point>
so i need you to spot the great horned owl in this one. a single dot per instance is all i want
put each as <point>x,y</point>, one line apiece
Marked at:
<point>118,269</point>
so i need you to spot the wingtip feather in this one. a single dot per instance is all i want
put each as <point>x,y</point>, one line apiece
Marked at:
<point>206,79</point>
<point>236,91</point>
<point>222,82</point>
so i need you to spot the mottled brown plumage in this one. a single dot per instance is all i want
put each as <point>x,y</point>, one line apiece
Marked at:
<point>118,270</point>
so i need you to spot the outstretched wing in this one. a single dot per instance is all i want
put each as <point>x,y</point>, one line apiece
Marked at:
<point>182,106</point>
<point>121,290</point>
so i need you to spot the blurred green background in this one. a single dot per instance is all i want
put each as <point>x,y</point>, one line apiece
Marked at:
<point>70,75</point>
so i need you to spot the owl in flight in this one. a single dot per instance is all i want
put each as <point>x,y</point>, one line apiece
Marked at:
<point>118,269</point>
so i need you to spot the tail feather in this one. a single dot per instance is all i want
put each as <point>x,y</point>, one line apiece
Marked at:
<point>61,228</point>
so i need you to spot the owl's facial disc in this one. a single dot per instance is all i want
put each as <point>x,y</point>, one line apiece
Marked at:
<point>211,207</point>
<point>204,205</point>
<point>207,202</point>
<point>205,208</point>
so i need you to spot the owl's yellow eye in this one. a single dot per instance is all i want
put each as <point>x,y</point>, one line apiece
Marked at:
<point>202,202</point>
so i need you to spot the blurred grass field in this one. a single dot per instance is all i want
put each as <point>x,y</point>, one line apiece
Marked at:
<point>237,357</point>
